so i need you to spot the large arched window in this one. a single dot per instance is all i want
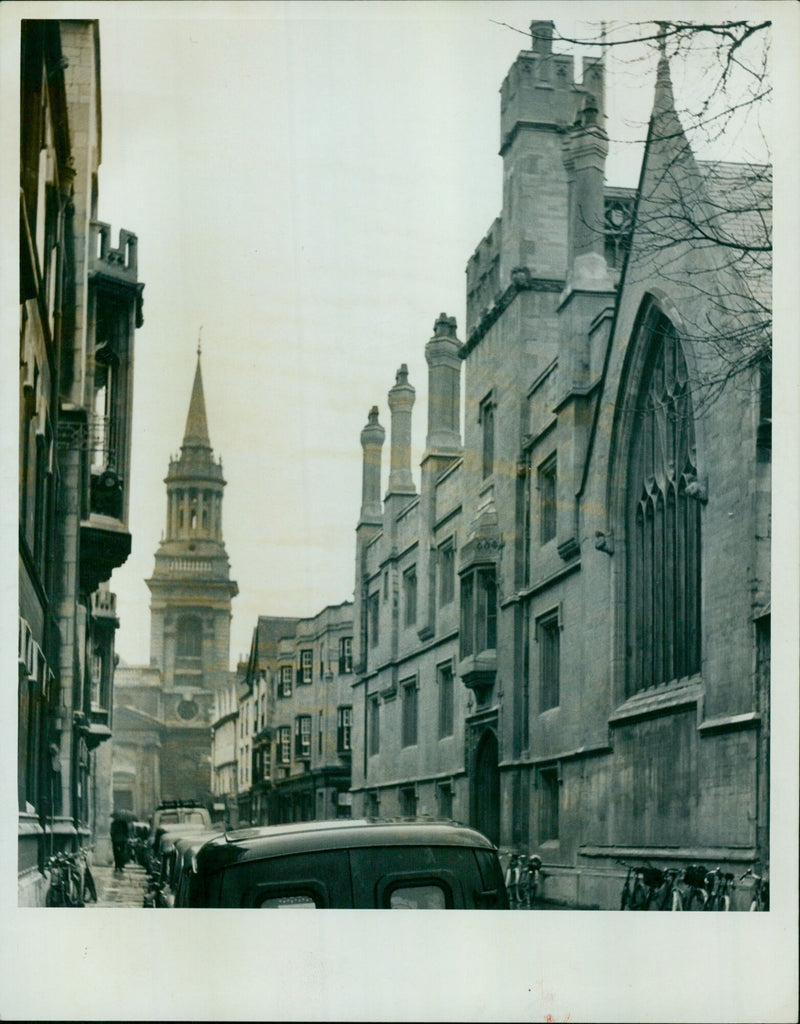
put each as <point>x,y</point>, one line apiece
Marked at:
<point>663,520</point>
<point>189,637</point>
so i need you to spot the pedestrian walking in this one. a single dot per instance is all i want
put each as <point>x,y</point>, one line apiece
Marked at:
<point>119,841</point>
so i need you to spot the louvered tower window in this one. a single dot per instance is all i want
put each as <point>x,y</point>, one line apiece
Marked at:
<point>663,522</point>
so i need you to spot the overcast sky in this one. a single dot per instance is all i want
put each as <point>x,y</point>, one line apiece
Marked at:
<point>307,182</point>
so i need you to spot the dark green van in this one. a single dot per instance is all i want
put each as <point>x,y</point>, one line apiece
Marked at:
<point>348,864</point>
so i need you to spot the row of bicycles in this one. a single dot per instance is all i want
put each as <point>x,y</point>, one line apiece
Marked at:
<point>689,888</point>
<point>71,880</point>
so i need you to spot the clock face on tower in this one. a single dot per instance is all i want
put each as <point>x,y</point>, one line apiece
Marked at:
<point>187,710</point>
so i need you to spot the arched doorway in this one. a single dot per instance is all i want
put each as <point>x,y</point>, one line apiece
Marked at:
<point>486,807</point>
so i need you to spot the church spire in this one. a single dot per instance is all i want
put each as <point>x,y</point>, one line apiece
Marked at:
<point>196,433</point>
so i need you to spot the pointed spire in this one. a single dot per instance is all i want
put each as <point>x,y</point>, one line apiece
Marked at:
<point>196,433</point>
<point>665,125</point>
<point>663,102</point>
<point>668,154</point>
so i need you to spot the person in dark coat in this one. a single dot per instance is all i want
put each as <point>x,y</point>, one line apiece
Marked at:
<point>119,842</point>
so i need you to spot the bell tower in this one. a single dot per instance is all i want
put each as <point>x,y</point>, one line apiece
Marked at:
<point>190,605</point>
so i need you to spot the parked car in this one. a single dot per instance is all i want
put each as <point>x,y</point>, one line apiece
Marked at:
<point>341,864</point>
<point>184,862</point>
<point>179,812</point>
<point>161,844</point>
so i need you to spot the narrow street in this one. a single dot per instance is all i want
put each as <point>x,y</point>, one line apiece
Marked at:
<point>115,890</point>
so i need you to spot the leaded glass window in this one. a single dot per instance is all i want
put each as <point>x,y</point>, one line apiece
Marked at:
<point>663,522</point>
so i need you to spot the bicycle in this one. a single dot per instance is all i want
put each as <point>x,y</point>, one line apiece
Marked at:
<point>759,899</point>
<point>641,884</point>
<point>669,895</point>
<point>719,885</point>
<point>155,897</point>
<point>694,877</point>
<point>65,888</point>
<point>532,876</point>
<point>514,879</point>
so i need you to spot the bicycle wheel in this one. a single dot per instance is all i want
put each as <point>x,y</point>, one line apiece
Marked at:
<point>640,900</point>
<point>720,901</point>
<point>89,888</point>
<point>54,897</point>
<point>677,900</point>
<point>72,888</point>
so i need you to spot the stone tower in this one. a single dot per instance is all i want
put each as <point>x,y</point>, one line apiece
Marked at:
<point>190,607</point>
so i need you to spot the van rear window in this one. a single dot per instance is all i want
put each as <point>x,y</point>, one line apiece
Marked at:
<point>301,901</point>
<point>417,897</point>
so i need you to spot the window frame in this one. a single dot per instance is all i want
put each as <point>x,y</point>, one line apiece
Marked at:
<point>302,737</point>
<point>344,729</point>
<point>189,627</point>
<point>446,565</point>
<point>663,517</point>
<point>445,679</point>
<point>486,418</point>
<point>345,655</point>
<point>478,622</point>
<point>444,789</point>
<point>547,486</point>
<point>285,681</point>
<point>410,596</point>
<point>305,673</point>
<point>373,725</point>
<point>548,636</point>
<point>405,794</point>
<point>374,618</point>
<point>283,745</point>
<point>409,716</point>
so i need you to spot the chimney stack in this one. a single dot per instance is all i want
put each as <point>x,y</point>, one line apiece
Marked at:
<point>401,402</point>
<point>444,387</point>
<point>585,150</point>
<point>542,37</point>
<point>372,438</point>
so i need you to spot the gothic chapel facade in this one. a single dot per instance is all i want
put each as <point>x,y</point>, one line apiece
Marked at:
<point>563,638</point>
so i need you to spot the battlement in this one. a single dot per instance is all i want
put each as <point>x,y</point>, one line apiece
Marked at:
<point>119,263</point>
<point>483,273</point>
<point>541,90</point>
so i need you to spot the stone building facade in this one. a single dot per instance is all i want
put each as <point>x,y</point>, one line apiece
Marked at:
<point>605,523</point>
<point>168,707</point>
<point>80,305</point>
<point>293,725</point>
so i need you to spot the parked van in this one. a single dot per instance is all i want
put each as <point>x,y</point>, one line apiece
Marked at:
<point>179,812</point>
<point>342,864</point>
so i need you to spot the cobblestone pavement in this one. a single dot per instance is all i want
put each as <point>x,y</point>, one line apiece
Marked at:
<point>119,890</point>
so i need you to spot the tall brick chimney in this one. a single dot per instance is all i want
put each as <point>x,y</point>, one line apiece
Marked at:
<point>401,402</point>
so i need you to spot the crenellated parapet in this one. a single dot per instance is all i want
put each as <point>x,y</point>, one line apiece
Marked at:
<point>541,90</point>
